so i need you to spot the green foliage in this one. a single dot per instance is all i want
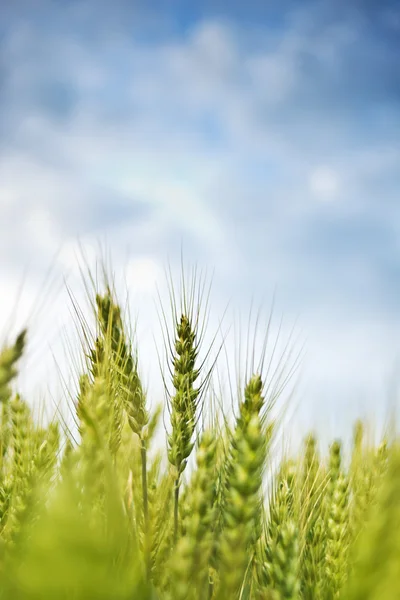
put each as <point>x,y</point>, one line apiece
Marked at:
<point>111,517</point>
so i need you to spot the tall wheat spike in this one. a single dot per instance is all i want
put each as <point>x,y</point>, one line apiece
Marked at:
<point>190,561</point>
<point>242,495</point>
<point>9,357</point>
<point>184,405</point>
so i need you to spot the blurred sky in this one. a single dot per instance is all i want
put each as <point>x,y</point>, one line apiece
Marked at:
<point>262,137</point>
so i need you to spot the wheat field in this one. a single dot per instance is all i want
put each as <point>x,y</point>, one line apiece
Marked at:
<point>101,511</point>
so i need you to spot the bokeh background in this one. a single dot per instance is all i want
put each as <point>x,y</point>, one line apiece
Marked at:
<point>260,138</point>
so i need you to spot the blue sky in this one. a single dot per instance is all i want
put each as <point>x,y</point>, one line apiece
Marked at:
<point>263,136</point>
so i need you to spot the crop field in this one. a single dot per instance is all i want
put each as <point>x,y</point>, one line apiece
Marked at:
<point>99,510</point>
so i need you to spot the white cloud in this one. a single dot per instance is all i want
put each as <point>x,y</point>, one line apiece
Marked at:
<point>324,183</point>
<point>274,76</point>
<point>42,229</point>
<point>181,202</point>
<point>215,47</point>
<point>77,255</point>
<point>15,306</point>
<point>142,275</point>
<point>8,198</point>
